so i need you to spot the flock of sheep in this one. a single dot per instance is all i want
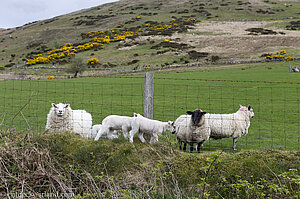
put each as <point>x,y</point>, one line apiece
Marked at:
<point>195,127</point>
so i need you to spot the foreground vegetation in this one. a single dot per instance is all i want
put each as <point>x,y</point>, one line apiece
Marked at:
<point>37,164</point>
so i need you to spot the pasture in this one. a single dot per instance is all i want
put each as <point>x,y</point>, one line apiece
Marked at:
<point>271,90</point>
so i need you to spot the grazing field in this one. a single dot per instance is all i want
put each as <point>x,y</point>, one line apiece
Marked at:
<point>269,88</point>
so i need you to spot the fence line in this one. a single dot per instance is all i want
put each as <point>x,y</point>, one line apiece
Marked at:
<point>276,105</point>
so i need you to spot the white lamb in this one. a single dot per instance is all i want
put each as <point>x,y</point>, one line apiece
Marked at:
<point>152,127</point>
<point>192,129</point>
<point>62,118</point>
<point>112,123</point>
<point>96,128</point>
<point>229,125</point>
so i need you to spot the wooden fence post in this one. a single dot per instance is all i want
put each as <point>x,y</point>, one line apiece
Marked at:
<point>148,95</point>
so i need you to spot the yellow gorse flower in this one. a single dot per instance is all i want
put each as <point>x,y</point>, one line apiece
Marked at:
<point>50,77</point>
<point>93,61</point>
<point>98,38</point>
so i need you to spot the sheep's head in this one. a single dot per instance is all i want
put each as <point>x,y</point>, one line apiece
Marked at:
<point>249,110</point>
<point>170,126</point>
<point>137,115</point>
<point>196,115</point>
<point>60,108</point>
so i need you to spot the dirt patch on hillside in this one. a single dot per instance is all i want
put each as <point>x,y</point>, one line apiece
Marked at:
<point>230,39</point>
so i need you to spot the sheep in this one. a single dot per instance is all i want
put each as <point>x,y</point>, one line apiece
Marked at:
<point>152,127</point>
<point>230,125</point>
<point>96,128</point>
<point>114,122</point>
<point>62,118</point>
<point>192,129</point>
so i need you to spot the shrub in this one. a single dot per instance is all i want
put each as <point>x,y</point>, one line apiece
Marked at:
<point>50,77</point>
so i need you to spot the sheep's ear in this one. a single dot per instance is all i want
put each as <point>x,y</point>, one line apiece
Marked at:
<point>67,105</point>
<point>249,107</point>
<point>189,112</point>
<point>203,112</point>
<point>54,105</point>
<point>134,115</point>
<point>241,106</point>
<point>170,123</point>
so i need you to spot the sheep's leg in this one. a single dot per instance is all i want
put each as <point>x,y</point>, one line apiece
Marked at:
<point>184,147</point>
<point>199,146</point>
<point>191,147</point>
<point>112,134</point>
<point>125,132</point>
<point>154,138</point>
<point>180,143</point>
<point>141,137</point>
<point>131,134</point>
<point>101,132</point>
<point>234,143</point>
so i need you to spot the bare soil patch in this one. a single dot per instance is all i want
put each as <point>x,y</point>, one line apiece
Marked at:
<point>230,39</point>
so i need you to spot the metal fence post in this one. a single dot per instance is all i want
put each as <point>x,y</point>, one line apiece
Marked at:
<point>148,95</point>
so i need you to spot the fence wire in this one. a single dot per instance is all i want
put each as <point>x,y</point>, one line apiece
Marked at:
<point>24,104</point>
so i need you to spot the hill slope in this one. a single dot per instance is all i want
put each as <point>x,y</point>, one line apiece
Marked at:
<point>224,32</point>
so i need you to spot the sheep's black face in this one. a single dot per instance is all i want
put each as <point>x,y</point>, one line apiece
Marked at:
<point>196,115</point>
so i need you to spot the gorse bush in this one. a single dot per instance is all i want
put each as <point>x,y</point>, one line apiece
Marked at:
<point>65,164</point>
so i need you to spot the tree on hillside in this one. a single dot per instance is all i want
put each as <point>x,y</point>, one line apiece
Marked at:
<point>77,66</point>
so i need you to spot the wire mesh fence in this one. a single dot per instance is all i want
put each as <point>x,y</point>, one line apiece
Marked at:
<point>25,104</point>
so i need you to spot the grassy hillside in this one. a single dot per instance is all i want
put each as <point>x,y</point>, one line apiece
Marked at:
<point>71,167</point>
<point>39,37</point>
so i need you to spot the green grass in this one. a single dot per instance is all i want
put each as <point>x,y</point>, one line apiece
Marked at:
<point>269,88</point>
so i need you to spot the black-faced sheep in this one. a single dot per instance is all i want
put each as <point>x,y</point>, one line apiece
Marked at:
<point>192,129</point>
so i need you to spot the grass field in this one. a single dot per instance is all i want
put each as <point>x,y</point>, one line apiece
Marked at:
<point>269,88</point>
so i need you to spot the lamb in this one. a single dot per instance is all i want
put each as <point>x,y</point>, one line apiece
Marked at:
<point>152,127</point>
<point>112,123</point>
<point>96,128</point>
<point>230,125</point>
<point>62,118</point>
<point>192,129</point>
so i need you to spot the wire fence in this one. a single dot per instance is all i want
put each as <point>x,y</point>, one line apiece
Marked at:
<point>24,104</point>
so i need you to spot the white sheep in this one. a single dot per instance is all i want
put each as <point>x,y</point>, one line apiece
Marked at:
<point>152,127</point>
<point>112,123</point>
<point>96,128</point>
<point>230,125</point>
<point>62,118</point>
<point>192,128</point>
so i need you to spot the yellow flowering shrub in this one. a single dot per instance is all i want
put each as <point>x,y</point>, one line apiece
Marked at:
<point>50,77</point>
<point>289,58</point>
<point>93,61</point>
<point>98,38</point>
<point>282,52</point>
